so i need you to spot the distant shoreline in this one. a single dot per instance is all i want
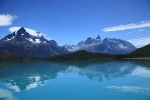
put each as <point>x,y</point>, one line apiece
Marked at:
<point>137,58</point>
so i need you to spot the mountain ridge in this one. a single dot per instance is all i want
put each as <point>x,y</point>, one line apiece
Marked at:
<point>23,43</point>
<point>108,45</point>
<point>140,53</point>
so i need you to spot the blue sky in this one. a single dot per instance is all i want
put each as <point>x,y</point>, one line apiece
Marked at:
<point>70,21</point>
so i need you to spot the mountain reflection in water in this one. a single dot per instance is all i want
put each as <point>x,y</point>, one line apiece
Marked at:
<point>24,75</point>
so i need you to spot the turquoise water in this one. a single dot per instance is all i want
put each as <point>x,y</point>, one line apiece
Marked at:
<point>75,80</point>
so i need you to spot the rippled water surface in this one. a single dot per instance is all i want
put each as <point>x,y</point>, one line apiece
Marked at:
<point>75,80</point>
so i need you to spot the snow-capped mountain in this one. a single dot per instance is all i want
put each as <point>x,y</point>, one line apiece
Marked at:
<point>108,45</point>
<point>34,37</point>
<point>83,45</point>
<point>30,44</point>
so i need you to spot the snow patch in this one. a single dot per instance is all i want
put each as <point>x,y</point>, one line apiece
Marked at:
<point>30,39</point>
<point>37,41</point>
<point>34,85</point>
<point>34,41</point>
<point>36,78</point>
<point>37,82</point>
<point>122,46</point>
<point>44,42</point>
<point>9,39</point>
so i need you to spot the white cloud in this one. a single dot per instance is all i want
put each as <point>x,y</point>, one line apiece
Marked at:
<point>140,71</point>
<point>139,42</point>
<point>142,24</point>
<point>6,19</point>
<point>46,36</point>
<point>6,94</point>
<point>30,31</point>
<point>132,89</point>
<point>140,30</point>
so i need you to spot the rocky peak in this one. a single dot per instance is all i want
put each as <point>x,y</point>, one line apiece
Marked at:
<point>98,37</point>
<point>53,42</point>
<point>21,30</point>
<point>106,40</point>
<point>38,32</point>
<point>89,40</point>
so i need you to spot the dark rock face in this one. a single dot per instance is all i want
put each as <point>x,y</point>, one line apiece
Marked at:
<point>89,40</point>
<point>53,42</point>
<point>118,46</point>
<point>21,42</point>
<point>111,46</point>
<point>98,37</point>
<point>21,31</point>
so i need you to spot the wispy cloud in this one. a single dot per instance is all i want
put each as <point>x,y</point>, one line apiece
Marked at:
<point>132,89</point>
<point>140,71</point>
<point>46,36</point>
<point>142,24</point>
<point>6,19</point>
<point>140,41</point>
<point>140,30</point>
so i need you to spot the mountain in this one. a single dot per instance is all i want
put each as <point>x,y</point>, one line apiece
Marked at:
<point>30,44</point>
<point>108,45</point>
<point>143,52</point>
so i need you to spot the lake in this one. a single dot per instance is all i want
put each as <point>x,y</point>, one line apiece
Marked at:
<point>75,80</point>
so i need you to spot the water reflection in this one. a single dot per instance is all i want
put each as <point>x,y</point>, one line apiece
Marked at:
<point>25,75</point>
<point>106,69</point>
<point>139,71</point>
<point>6,95</point>
<point>132,89</point>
